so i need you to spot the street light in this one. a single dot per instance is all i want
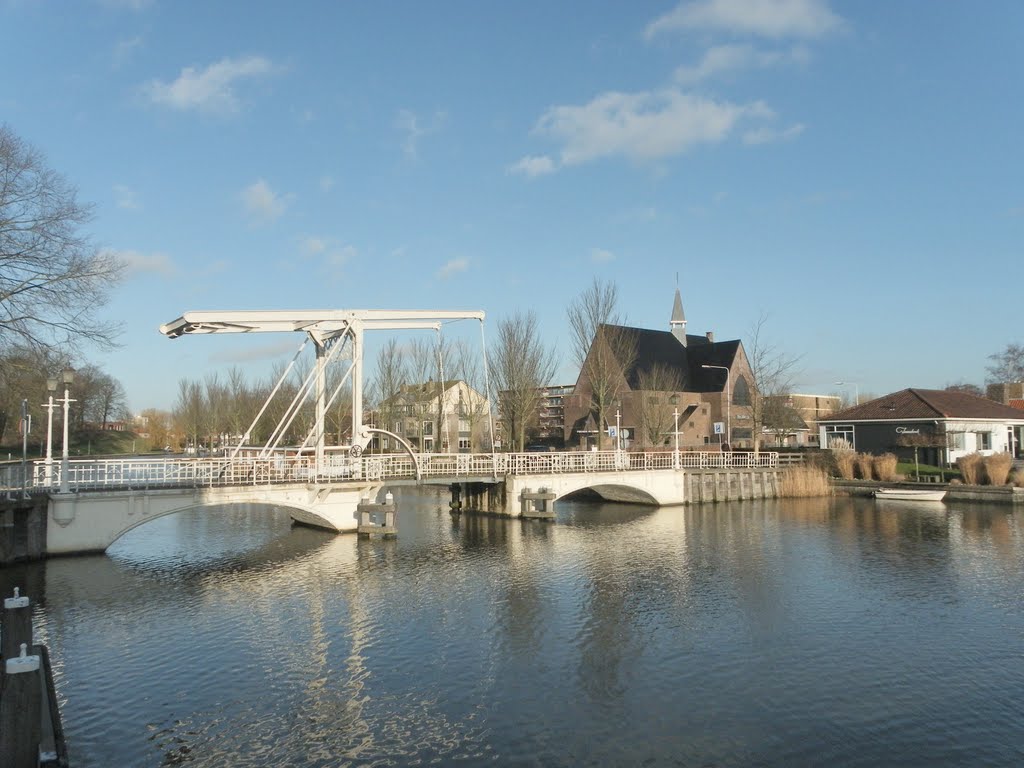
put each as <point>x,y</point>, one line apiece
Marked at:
<point>728,404</point>
<point>856,390</point>
<point>51,387</point>
<point>68,376</point>
<point>675,456</point>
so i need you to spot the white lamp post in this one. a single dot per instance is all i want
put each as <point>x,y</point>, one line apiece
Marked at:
<point>68,376</point>
<point>675,456</point>
<point>618,430</point>
<point>728,404</point>
<point>856,390</point>
<point>51,386</point>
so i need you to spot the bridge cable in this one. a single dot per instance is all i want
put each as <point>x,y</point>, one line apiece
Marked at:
<point>487,386</point>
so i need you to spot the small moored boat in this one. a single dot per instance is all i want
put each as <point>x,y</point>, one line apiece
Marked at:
<point>910,494</point>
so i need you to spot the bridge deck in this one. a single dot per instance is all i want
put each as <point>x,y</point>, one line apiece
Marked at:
<point>140,473</point>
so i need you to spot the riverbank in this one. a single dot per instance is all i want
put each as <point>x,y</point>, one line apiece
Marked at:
<point>991,494</point>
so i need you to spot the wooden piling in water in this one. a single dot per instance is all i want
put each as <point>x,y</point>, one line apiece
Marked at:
<point>21,692</point>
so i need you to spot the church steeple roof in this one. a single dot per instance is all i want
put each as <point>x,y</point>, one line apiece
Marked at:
<point>678,322</point>
<point>677,310</point>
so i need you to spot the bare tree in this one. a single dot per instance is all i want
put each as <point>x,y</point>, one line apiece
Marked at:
<point>520,366</point>
<point>52,280</point>
<point>469,367</point>
<point>604,349</point>
<point>1007,366</point>
<point>391,376</point>
<point>655,385</point>
<point>966,388</point>
<point>111,400</point>
<point>773,372</point>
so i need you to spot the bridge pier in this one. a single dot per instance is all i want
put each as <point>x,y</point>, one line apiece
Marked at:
<point>488,498</point>
<point>537,505</point>
<point>377,519</point>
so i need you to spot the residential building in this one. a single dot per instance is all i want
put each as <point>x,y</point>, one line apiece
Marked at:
<point>667,384</point>
<point>791,421</point>
<point>432,418</point>
<point>939,426</point>
<point>550,429</point>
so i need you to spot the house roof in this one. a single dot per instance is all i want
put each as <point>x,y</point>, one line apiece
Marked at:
<point>926,404</point>
<point>1016,403</point>
<point>661,347</point>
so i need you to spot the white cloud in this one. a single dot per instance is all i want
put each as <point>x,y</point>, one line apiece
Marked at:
<point>642,126</point>
<point>532,166</point>
<point>125,49</point>
<point>262,203</point>
<point>453,267</point>
<point>138,263</point>
<point>314,245</point>
<point>765,18</point>
<point>210,89</point>
<point>723,59</point>
<point>767,135</point>
<point>126,197</point>
<point>601,256</point>
<point>414,128</point>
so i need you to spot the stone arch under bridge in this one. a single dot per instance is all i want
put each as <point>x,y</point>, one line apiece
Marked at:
<point>91,522</point>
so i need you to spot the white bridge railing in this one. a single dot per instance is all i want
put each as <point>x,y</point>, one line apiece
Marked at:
<point>281,468</point>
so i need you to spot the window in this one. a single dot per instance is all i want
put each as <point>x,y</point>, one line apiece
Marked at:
<point>983,441</point>
<point>463,425</point>
<point>398,428</point>
<point>835,432</point>
<point>428,427</point>
<point>955,441</point>
<point>463,443</point>
<point>741,392</point>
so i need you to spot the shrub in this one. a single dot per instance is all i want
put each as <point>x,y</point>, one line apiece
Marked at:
<point>970,467</point>
<point>864,464</point>
<point>804,482</point>
<point>997,468</point>
<point>1017,478</point>
<point>885,467</point>
<point>844,456</point>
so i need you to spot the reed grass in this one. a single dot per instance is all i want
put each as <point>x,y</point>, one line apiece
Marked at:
<point>997,468</point>
<point>844,456</point>
<point>885,467</point>
<point>1017,478</point>
<point>865,465</point>
<point>803,482</point>
<point>970,468</point>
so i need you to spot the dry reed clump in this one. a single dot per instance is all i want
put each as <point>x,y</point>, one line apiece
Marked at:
<point>844,456</point>
<point>1017,478</point>
<point>802,482</point>
<point>997,468</point>
<point>885,467</point>
<point>864,463</point>
<point>970,468</point>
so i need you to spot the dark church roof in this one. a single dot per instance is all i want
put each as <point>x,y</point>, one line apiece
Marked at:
<point>654,347</point>
<point>926,404</point>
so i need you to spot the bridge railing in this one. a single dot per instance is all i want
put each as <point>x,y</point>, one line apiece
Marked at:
<point>281,468</point>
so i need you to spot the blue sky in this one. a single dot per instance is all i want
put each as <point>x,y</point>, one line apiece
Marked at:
<point>852,169</point>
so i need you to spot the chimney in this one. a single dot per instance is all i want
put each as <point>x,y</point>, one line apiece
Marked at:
<point>711,337</point>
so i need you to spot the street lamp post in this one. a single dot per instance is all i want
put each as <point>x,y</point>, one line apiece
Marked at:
<point>675,456</point>
<point>728,404</point>
<point>51,386</point>
<point>856,390</point>
<point>68,377</point>
<point>618,430</point>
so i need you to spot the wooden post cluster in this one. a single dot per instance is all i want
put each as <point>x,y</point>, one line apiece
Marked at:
<point>21,692</point>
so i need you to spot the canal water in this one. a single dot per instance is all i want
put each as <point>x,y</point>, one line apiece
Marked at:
<point>838,632</point>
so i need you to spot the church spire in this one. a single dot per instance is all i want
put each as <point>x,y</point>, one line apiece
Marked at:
<point>678,322</point>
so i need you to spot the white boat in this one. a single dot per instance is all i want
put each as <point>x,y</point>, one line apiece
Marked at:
<point>910,494</point>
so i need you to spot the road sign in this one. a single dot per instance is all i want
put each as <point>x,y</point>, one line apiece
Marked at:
<point>612,431</point>
<point>719,427</point>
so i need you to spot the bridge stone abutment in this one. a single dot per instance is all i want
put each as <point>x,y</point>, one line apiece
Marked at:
<point>91,522</point>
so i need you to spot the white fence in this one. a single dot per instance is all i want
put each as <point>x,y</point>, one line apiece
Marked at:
<point>282,468</point>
